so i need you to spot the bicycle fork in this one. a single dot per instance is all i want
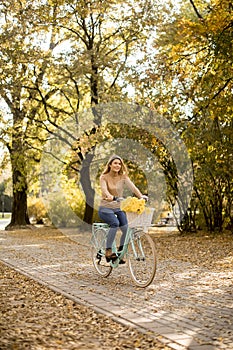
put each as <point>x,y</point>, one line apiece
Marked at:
<point>138,253</point>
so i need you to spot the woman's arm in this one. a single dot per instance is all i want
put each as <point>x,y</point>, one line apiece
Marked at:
<point>133,188</point>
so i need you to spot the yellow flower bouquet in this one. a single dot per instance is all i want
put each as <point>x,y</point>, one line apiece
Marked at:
<point>138,214</point>
<point>133,205</point>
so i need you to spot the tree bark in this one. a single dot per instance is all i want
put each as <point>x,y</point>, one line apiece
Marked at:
<point>87,188</point>
<point>19,217</point>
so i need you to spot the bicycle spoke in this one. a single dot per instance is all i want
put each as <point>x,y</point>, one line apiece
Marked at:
<point>142,259</point>
<point>98,253</point>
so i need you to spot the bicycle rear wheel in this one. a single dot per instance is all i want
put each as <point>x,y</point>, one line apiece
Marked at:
<point>98,253</point>
<point>142,259</point>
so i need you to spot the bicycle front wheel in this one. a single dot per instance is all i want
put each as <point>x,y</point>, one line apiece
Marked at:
<point>98,253</point>
<point>142,259</point>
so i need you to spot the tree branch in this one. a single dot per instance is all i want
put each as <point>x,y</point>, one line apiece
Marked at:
<point>196,10</point>
<point>212,98</point>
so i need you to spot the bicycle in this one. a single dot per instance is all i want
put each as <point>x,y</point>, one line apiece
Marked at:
<point>139,249</point>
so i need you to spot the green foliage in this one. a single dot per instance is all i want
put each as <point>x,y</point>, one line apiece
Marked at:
<point>60,214</point>
<point>2,188</point>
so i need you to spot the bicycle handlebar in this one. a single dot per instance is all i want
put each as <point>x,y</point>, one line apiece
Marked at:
<point>120,199</point>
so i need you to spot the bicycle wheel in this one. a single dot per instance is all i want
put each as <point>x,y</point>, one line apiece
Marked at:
<point>98,253</point>
<point>142,259</point>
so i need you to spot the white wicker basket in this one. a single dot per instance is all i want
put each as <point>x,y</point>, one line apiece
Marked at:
<point>140,220</point>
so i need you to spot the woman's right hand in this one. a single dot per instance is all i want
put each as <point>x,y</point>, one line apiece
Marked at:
<point>109,198</point>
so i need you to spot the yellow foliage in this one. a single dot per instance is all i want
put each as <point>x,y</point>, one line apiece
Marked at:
<point>36,209</point>
<point>133,205</point>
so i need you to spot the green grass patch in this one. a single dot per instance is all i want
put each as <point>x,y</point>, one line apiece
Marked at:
<point>6,216</point>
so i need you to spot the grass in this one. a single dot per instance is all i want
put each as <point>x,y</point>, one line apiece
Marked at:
<point>6,216</point>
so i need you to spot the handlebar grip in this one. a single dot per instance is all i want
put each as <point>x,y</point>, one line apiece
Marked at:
<point>118,199</point>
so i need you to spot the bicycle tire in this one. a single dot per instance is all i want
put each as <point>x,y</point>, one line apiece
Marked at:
<point>98,253</point>
<point>142,259</point>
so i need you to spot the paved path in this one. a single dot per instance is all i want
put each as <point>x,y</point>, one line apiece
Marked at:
<point>4,222</point>
<point>188,307</point>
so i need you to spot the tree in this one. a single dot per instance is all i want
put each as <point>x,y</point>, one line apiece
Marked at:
<point>101,36</point>
<point>43,82</point>
<point>23,64</point>
<point>193,75</point>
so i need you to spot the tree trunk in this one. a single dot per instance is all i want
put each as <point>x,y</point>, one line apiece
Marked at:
<point>19,217</point>
<point>87,188</point>
<point>85,171</point>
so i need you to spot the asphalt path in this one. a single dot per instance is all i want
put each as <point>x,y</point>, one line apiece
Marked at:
<point>4,222</point>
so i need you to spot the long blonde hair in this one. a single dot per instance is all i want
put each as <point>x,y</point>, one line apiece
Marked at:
<point>123,169</point>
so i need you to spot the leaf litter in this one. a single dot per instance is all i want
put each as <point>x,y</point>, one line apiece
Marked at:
<point>36,318</point>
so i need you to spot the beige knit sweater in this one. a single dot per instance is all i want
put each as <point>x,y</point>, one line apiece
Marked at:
<point>114,186</point>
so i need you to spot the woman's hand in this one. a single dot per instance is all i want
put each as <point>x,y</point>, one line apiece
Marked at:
<point>144,197</point>
<point>109,198</point>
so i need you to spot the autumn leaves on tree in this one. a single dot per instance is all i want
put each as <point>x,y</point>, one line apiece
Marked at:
<point>58,59</point>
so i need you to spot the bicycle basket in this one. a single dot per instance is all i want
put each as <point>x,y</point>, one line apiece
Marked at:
<point>140,220</point>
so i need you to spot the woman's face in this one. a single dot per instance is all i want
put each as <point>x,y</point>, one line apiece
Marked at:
<point>115,165</point>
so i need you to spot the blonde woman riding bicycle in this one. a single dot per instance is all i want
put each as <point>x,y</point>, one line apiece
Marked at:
<point>112,181</point>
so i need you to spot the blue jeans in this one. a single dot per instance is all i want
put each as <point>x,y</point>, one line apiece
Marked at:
<point>115,218</point>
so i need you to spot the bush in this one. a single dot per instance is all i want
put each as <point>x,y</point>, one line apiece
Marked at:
<point>65,212</point>
<point>36,211</point>
<point>7,204</point>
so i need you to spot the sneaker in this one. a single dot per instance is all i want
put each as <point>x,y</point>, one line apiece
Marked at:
<point>122,262</point>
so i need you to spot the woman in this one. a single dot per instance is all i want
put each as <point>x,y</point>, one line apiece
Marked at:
<point>112,181</point>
